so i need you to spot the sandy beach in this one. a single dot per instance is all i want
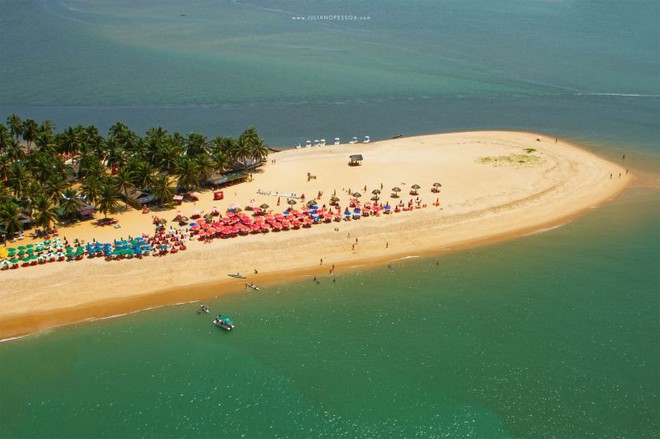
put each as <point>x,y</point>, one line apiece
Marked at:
<point>495,185</point>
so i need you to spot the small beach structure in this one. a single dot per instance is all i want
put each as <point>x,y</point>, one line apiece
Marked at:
<point>355,160</point>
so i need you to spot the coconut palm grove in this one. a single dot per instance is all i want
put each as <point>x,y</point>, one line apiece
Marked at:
<point>51,177</point>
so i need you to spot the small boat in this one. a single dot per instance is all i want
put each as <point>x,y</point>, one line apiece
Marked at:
<point>236,275</point>
<point>337,142</point>
<point>367,139</point>
<point>223,322</point>
<point>251,285</point>
<point>203,309</point>
<point>353,140</point>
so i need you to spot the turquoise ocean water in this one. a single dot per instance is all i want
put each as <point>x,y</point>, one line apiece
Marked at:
<point>556,334</point>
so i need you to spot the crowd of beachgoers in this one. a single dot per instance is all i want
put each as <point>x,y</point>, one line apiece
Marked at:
<point>171,239</point>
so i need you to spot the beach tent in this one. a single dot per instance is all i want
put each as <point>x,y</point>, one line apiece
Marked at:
<point>355,159</point>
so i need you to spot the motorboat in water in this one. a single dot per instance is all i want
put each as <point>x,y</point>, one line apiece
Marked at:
<point>203,309</point>
<point>223,322</point>
<point>252,285</point>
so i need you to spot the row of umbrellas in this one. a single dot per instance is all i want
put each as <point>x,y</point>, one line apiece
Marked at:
<point>55,250</point>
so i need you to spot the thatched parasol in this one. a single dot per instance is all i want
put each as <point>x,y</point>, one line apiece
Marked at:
<point>357,194</point>
<point>415,186</point>
<point>291,201</point>
<point>264,206</point>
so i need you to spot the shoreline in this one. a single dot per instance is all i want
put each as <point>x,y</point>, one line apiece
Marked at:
<point>563,187</point>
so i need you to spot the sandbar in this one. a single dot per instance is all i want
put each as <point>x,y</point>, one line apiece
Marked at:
<point>495,185</point>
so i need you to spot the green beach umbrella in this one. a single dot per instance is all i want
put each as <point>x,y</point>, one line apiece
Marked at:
<point>13,261</point>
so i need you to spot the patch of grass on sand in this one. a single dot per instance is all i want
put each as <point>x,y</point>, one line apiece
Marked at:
<point>512,159</point>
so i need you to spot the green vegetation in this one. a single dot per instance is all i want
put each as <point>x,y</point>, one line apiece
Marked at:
<point>48,176</point>
<point>512,159</point>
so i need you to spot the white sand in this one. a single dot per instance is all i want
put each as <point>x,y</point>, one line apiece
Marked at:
<point>479,202</point>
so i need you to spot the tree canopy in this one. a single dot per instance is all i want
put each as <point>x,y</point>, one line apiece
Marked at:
<point>47,176</point>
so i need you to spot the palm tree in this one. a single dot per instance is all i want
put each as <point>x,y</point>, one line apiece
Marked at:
<point>220,161</point>
<point>90,165</point>
<point>91,187</point>
<point>32,192</point>
<point>231,149</point>
<point>14,149</point>
<point>205,166</point>
<point>251,145</point>
<point>15,125</point>
<point>10,219</point>
<point>107,198</point>
<point>44,212</point>
<point>55,186</point>
<point>188,173</point>
<point>47,127</point>
<point>44,140</point>
<point>70,203</point>
<point>114,153</point>
<point>144,175</point>
<point>124,181</point>
<point>4,166</point>
<point>30,131</point>
<point>196,144</point>
<point>17,179</point>
<point>167,156</point>
<point>161,189</point>
<point>4,137</point>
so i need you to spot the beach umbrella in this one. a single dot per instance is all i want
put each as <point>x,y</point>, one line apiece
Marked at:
<point>311,203</point>
<point>347,212</point>
<point>415,186</point>
<point>357,194</point>
<point>291,201</point>
<point>396,189</point>
<point>437,184</point>
<point>264,206</point>
<point>376,191</point>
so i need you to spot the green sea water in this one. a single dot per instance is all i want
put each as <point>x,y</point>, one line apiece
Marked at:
<point>556,334</point>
